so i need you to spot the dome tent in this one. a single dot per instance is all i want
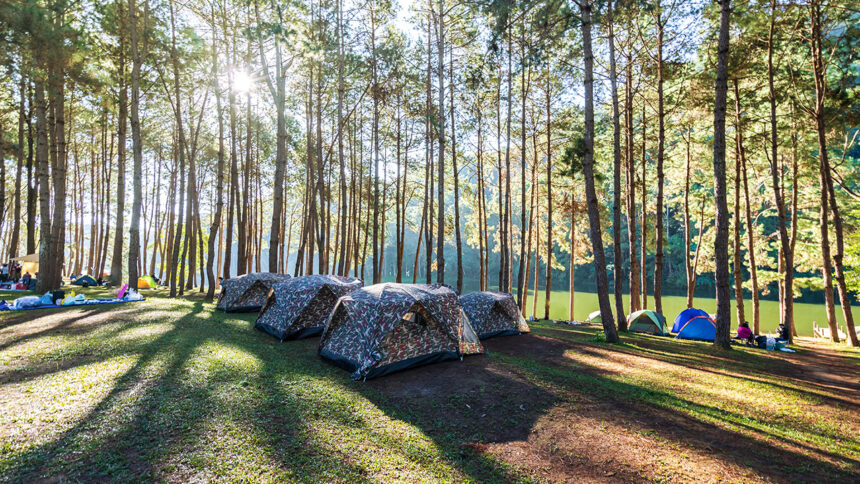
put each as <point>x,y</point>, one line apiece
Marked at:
<point>389,327</point>
<point>493,314</point>
<point>697,327</point>
<point>685,316</point>
<point>247,292</point>
<point>594,317</point>
<point>146,282</point>
<point>85,281</point>
<point>300,306</point>
<point>647,321</point>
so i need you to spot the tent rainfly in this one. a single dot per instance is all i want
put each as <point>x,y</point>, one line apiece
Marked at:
<point>493,314</point>
<point>247,293</point>
<point>389,327</point>
<point>647,321</point>
<point>300,306</point>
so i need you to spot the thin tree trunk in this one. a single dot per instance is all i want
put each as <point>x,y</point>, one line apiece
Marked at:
<point>119,239</point>
<point>618,263</point>
<point>748,210</point>
<point>214,229</point>
<point>595,231</point>
<point>631,192</point>
<point>440,225</point>
<point>549,240</point>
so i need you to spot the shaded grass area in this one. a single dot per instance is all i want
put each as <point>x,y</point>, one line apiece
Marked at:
<point>171,389</point>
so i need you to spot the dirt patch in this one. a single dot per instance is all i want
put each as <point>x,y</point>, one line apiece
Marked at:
<point>566,434</point>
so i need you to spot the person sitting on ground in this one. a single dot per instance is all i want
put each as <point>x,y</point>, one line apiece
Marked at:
<point>782,333</point>
<point>745,333</point>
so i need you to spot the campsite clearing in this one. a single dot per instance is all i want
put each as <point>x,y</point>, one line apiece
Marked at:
<point>174,390</point>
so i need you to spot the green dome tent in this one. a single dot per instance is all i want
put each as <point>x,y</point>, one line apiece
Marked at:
<point>647,321</point>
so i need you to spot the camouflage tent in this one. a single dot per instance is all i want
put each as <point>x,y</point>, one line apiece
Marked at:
<point>248,292</point>
<point>299,307</point>
<point>493,314</point>
<point>389,327</point>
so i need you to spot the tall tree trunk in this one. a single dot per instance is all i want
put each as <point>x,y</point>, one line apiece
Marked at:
<point>661,140</point>
<point>456,172</point>
<point>644,183</point>
<point>522,272</point>
<point>818,68</point>
<point>180,130</point>
<point>595,231</point>
<point>630,170</point>
<point>119,239</point>
<point>618,263</point>
<point>721,243</point>
<point>787,254</point>
<point>46,264</point>
<point>440,224</point>
<point>748,213</point>
<point>571,295</point>
<point>736,223</point>
<point>688,266</point>
<point>214,228</point>
<point>16,217</point>
<point>342,193</point>
<point>137,144</point>
<point>549,240</point>
<point>376,95</point>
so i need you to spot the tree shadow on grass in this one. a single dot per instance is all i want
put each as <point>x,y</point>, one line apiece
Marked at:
<point>754,366</point>
<point>170,415</point>
<point>168,408</point>
<point>704,427</point>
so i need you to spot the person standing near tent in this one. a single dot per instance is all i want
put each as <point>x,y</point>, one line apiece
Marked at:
<point>4,273</point>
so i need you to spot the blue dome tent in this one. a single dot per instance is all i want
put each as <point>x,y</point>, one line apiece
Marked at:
<point>685,316</point>
<point>698,327</point>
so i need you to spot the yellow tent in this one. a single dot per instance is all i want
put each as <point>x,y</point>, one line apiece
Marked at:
<point>29,263</point>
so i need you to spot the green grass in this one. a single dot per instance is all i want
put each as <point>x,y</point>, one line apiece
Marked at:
<point>169,389</point>
<point>804,313</point>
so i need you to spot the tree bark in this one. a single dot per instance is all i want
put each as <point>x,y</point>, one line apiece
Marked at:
<point>440,224</point>
<point>137,143</point>
<point>595,231</point>
<point>119,239</point>
<point>721,250</point>
<point>787,253</point>
<point>618,263</point>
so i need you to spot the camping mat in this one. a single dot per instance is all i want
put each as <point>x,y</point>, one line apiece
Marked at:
<point>5,306</point>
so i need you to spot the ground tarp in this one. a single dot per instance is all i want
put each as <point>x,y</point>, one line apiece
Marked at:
<point>493,314</point>
<point>300,306</point>
<point>388,327</point>
<point>247,292</point>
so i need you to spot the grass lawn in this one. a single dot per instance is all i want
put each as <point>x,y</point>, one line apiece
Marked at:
<point>804,313</point>
<point>172,390</point>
